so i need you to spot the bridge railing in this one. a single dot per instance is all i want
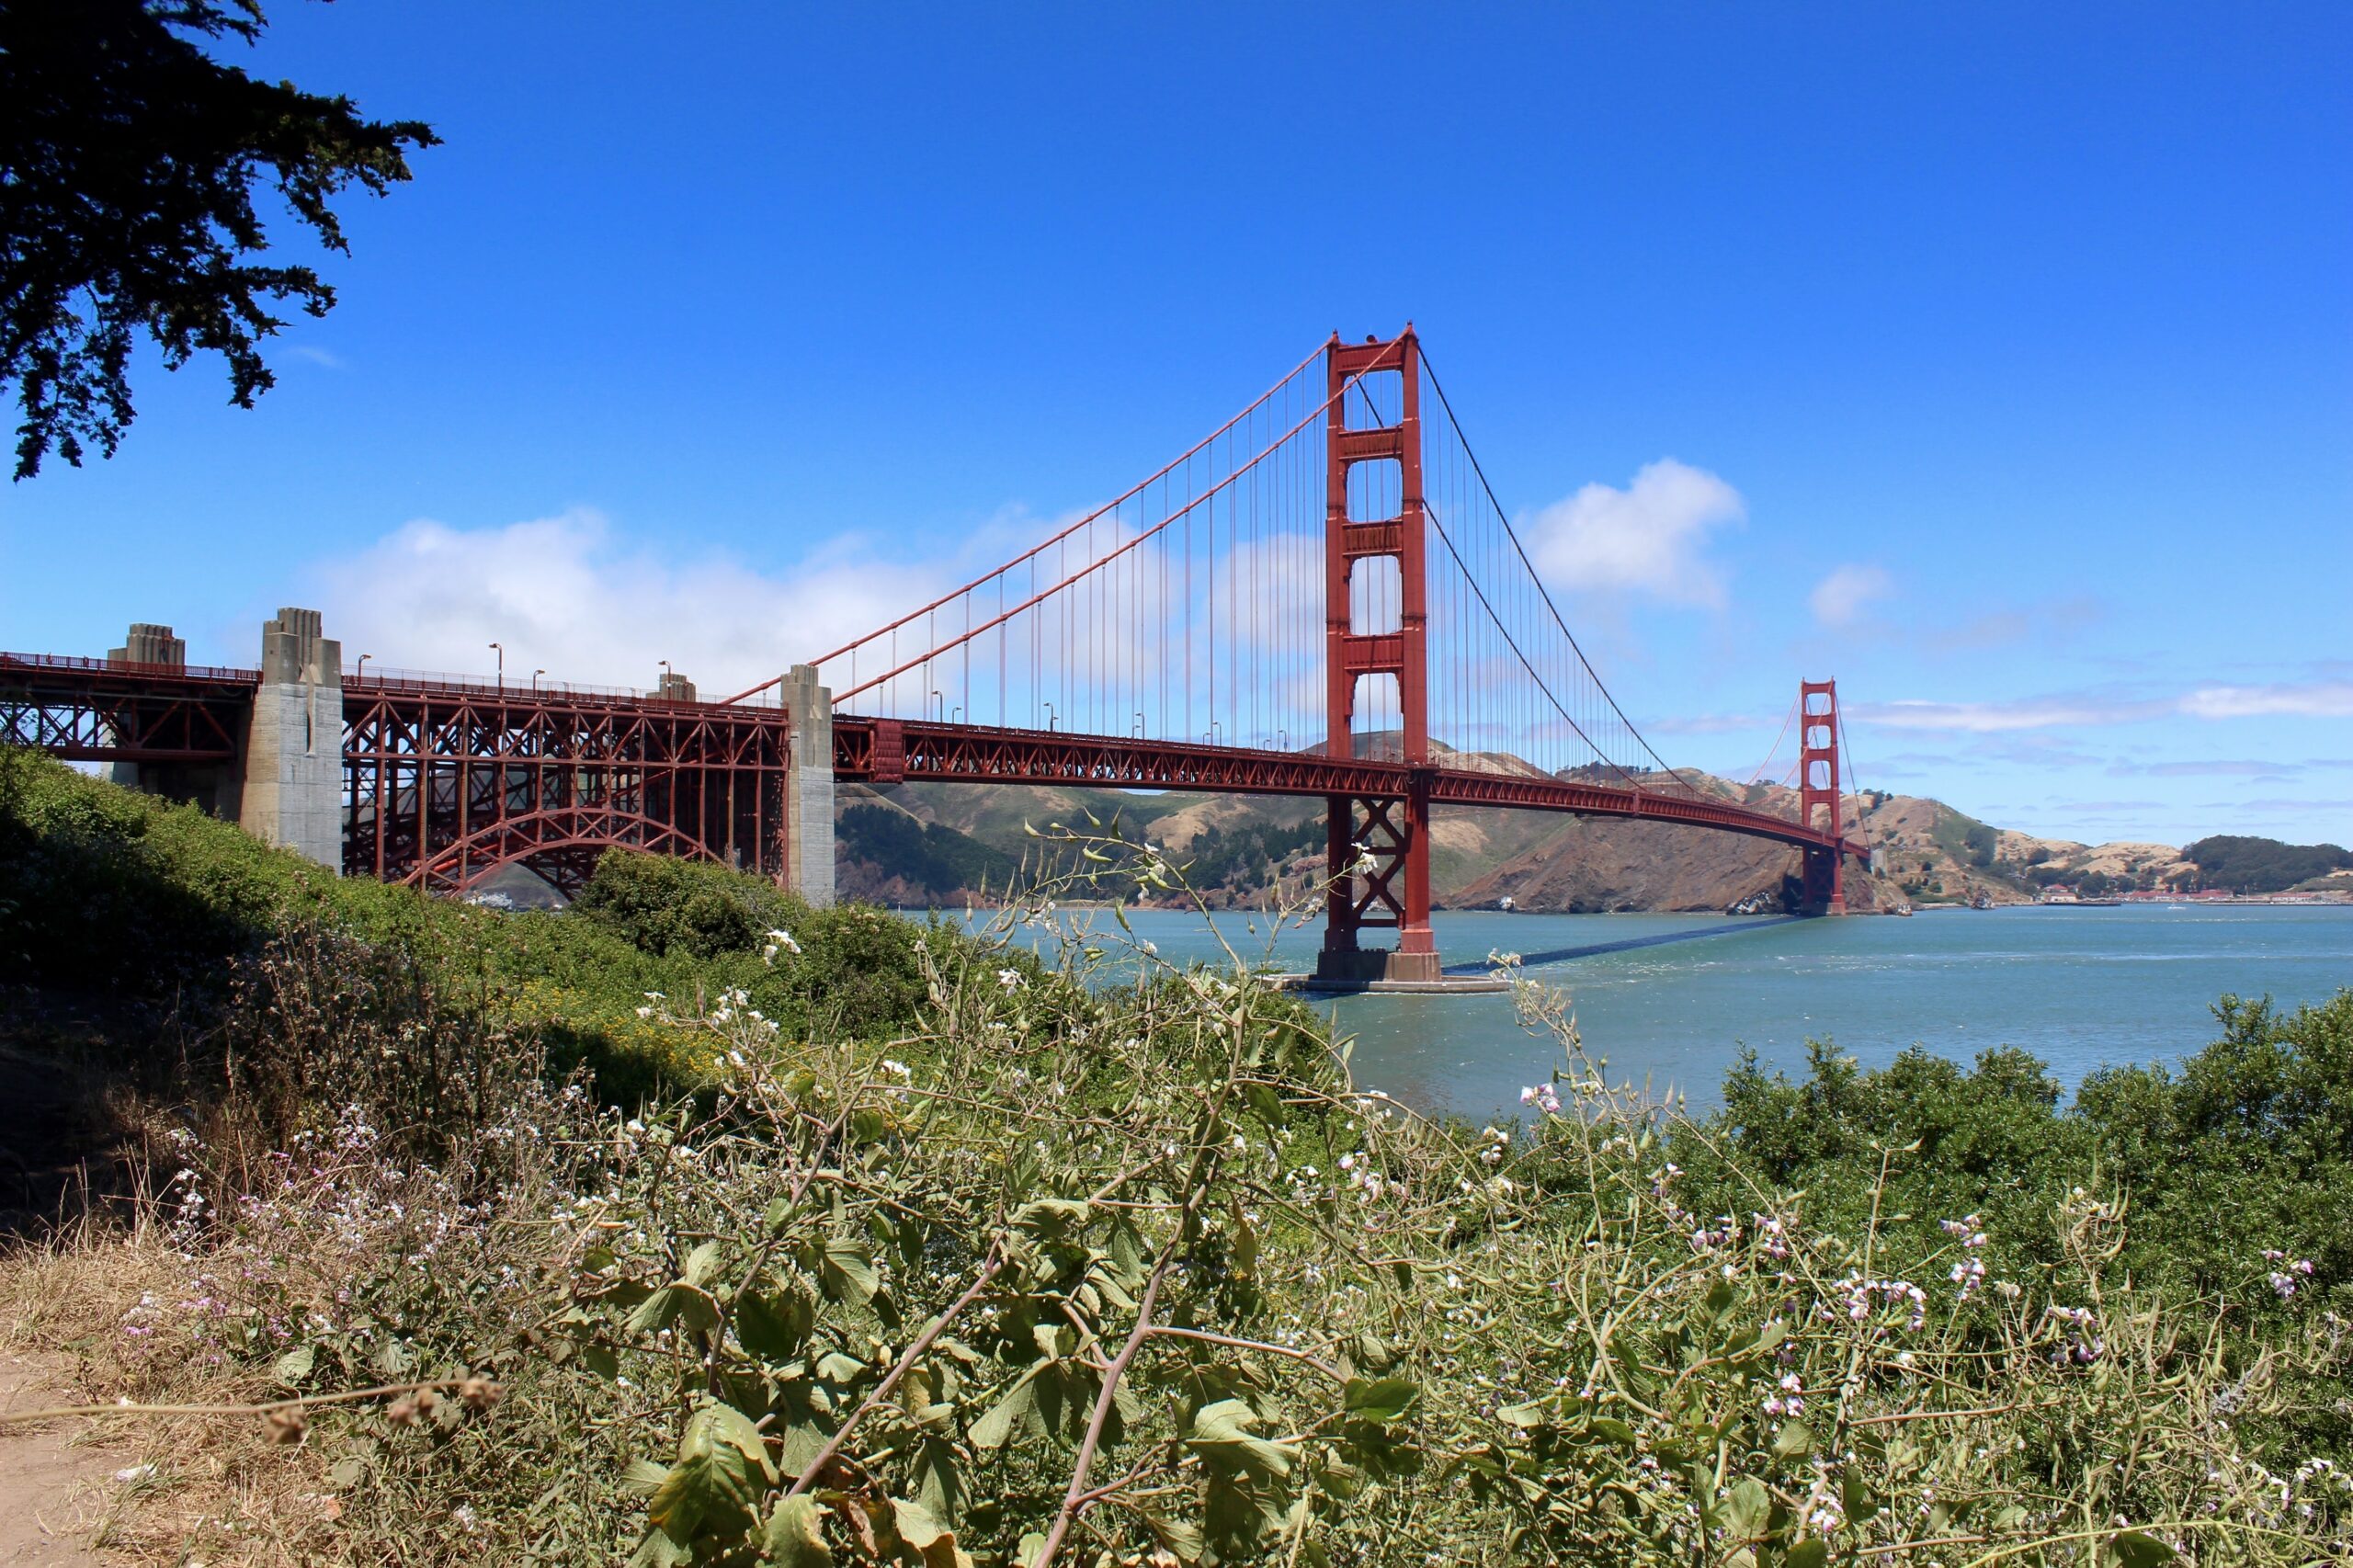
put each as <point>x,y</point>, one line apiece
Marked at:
<point>78,665</point>
<point>436,683</point>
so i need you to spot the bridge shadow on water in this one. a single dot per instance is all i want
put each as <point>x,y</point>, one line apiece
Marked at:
<point>1559,954</point>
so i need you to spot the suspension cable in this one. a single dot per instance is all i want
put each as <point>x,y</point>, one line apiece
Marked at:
<point>1542,592</point>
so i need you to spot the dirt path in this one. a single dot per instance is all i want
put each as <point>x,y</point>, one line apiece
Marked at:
<point>52,1494</point>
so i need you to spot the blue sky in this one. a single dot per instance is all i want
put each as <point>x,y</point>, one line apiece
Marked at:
<point>2002,354</point>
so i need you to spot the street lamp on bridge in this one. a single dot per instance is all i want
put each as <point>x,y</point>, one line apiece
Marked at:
<point>535,680</point>
<point>361,672</point>
<point>500,649</point>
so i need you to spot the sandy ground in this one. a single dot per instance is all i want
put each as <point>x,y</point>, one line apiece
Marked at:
<point>52,1493</point>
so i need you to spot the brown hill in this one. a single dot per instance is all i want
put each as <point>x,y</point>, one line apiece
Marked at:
<point>1247,847</point>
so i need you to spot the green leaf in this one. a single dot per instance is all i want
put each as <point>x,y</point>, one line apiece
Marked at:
<point>1609,1429</point>
<point>2136,1549</point>
<point>722,1475</point>
<point>1745,1509</point>
<point>792,1537</point>
<point>1807,1554</point>
<point>643,1478</point>
<point>773,1327</point>
<point>940,1480</point>
<point>1383,1400</point>
<point>837,1368</point>
<point>1794,1441</point>
<point>1221,1436</point>
<point>802,1442</point>
<point>295,1365</point>
<point>993,1430</point>
<point>932,1540</point>
<point>702,1265</point>
<point>658,1551</point>
<point>678,1302</point>
<point>1050,1219</point>
<point>1855,1497</point>
<point>847,1273</point>
<point>1181,1537</point>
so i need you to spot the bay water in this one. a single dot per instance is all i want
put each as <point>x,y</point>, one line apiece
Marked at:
<point>2079,988</point>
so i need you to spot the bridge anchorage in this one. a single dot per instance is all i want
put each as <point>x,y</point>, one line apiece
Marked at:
<point>1323,598</point>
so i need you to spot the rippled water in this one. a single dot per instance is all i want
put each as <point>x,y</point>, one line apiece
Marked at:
<point>2080,988</point>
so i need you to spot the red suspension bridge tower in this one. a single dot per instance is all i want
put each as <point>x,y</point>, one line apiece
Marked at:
<point>1378,849</point>
<point>1818,786</point>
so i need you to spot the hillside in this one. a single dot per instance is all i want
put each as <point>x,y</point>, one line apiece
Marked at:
<point>950,843</point>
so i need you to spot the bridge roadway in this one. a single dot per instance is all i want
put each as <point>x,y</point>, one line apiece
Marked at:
<point>885,751</point>
<point>97,710</point>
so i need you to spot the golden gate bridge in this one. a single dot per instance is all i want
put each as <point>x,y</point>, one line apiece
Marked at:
<point>1323,598</point>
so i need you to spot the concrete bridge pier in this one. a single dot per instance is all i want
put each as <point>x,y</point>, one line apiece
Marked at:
<point>293,760</point>
<point>155,646</point>
<point>809,786</point>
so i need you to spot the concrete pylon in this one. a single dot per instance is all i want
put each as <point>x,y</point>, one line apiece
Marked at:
<point>809,786</point>
<point>293,784</point>
<point>152,645</point>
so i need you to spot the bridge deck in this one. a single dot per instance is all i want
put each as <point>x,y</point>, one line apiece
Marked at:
<point>91,709</point>
<point>884,751</point>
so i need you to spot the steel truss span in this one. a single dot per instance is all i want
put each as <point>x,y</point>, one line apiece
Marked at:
<point>92,711</point>
<point>885,751</point>
<point>444,783</point>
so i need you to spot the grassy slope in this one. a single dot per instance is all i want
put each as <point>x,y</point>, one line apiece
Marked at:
<point>104,890</point>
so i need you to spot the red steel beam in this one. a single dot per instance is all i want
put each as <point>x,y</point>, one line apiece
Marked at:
<point>980,753</point>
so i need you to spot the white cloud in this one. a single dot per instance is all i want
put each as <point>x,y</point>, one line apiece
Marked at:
<point>1838,600</point>
<point>1650,538</point>
<point>2317,699</point>
<point>2312,700</point>
<point>564,596</point>
<point>1990,718</point>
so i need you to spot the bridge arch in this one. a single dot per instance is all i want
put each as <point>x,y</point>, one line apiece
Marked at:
<point>561,844</point>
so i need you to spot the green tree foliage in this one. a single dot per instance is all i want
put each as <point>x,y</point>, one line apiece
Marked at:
<point>2262,865</point>
<point>128,163</point>
<point>1251,858</point>
<point>930,858</point>
<point>2247,1146</point>
<point>105,888</point>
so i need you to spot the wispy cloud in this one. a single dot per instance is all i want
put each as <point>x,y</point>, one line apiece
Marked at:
<point>1840,599</point>
<point>1651,537</point>
<point>315,355</point>
<point>566,594</point>
<point>2217,770</point>
<point>2313,698</point>
<point>1992,718</point>
<point>2317,699</point>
